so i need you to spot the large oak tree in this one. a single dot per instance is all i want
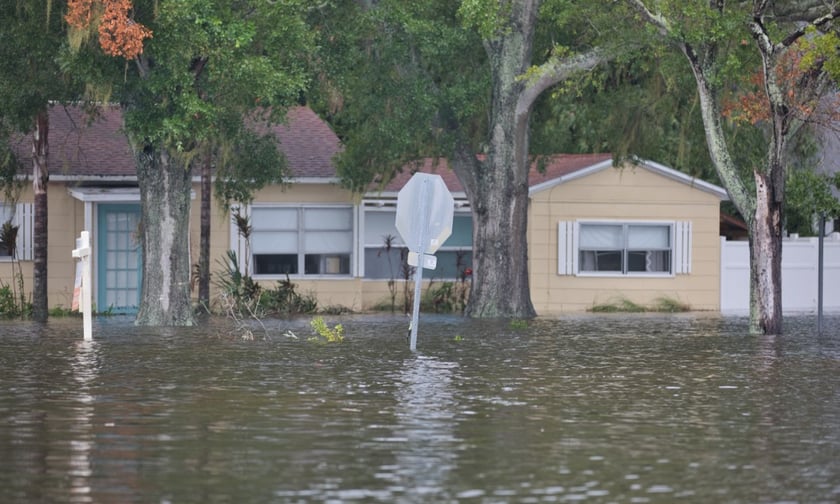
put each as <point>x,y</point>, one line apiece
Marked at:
<point>459,80</point>
<point>183,69</point>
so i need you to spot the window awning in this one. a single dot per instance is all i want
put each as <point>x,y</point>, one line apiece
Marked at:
<point>109,194</point>
<point>105,194</point>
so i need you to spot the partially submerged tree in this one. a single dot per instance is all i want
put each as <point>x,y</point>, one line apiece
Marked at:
<point>710,34</point>
<point>31,77</point>
<point>459,81</point>
<point>180,69</point>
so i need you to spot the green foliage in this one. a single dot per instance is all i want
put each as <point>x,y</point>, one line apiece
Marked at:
<point>488,17</point>
<point>808,196</point>
<point>60,311</point>
<point>11,182</point>
<point>401,99</point>
<point>448,297</point>
<point>284,300</point>
<point>33,34</point>
<point>248,164</point>
<point>645,107</point>
<point>518,324</point>
<point>242,298</point>
<point>324,333</point>
<point>13,303</point>
<point>821,50</point>
<point>624,305</point>
<point>240,293</point>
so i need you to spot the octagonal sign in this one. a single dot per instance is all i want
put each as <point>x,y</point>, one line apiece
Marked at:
<point>425,209</point>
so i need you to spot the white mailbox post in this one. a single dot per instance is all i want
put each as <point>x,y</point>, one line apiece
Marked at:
<point>425,210</point>
<point>82,253</point>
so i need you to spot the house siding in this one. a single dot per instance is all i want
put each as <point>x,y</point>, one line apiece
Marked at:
<point>632,193</point>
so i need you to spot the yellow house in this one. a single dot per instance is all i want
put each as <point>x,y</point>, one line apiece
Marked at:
<point>595,232</point>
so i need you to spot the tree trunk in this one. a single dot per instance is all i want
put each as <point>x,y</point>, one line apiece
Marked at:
<point>498,188</point>
<point>40,178</point>
<point>204,246</point>
<point>165,200</point>
<point>765,240</point>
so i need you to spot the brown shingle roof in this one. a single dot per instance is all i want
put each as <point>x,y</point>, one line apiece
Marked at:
<point>98,148</point>
<point>83,147</point>
<point>552,167</point>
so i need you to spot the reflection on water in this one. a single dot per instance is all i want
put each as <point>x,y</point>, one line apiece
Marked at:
<point>426,448</point>
<point>584,408</point>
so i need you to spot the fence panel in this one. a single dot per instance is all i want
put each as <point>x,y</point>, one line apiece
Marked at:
<point>799,275</point>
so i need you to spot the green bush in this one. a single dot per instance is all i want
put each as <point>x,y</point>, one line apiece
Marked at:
<point>285,300</point>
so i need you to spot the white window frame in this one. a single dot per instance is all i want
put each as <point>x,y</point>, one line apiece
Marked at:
<point>247,253</point>
<point>568,250</point>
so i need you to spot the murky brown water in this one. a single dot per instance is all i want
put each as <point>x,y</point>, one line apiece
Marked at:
<point>622,408</point>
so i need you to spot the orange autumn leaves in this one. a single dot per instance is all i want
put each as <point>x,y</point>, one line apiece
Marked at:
<point>119,35</point>
<point>752,105</point>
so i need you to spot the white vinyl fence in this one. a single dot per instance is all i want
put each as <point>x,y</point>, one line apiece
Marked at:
<point>799,275</point>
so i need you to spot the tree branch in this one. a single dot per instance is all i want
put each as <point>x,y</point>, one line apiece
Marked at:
<point>556,70</point>
<point>657,20</point>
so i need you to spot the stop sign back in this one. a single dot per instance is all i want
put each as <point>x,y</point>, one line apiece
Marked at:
<point>425,209</point>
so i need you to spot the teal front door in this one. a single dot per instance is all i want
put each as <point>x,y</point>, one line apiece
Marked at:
<point>118,259</point>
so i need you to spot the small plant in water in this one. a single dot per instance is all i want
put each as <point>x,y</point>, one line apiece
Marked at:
<point>518,324</point>
<point>325,333</point>
<point>458,337</point>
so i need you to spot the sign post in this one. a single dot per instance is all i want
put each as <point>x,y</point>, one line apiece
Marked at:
<point>83,283</point>
<point>425,210</point>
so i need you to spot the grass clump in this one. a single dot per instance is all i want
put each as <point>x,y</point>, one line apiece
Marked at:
<point>624,305</point>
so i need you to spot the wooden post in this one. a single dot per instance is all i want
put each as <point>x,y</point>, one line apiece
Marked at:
<point>82,252</point>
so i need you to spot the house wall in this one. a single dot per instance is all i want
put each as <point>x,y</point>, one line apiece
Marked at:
<point>64,222</point>
<point>220,223</point>
<point>329,292</point>
<point>632,193</point>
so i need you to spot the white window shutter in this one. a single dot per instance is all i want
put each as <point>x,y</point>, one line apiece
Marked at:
<point>566,248</point>
<point>682,247</point>
<point>25,220</point>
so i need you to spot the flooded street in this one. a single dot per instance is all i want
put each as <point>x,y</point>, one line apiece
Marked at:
<point>619,408</point>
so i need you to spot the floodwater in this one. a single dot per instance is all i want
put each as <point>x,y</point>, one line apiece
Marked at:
<point>616,408</point>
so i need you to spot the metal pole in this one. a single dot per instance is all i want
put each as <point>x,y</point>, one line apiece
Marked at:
<point>820,276</point>
<point>422,238</point>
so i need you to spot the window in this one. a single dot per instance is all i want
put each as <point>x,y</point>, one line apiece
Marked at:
<point>22,216</point>
<point>301,241</point>
<point>453,258</point>
<point>624,248</point>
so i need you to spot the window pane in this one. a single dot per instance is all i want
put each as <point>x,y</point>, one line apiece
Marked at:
<point>595,260</point>
<point>600,236</point>
<point>327,264</point>
<point>649,237</point>
<point>264,242</point>
<point>383,265</point>
<point>275,264</point>
<point>329,241</point>
<point>461,232</point>
<point>327,218</point>
<point>5,212</point>
<point>656,261</point>
<point>5,215</point>
<point>267,218</point>
<point>450,264</point>
<point>379,224</point>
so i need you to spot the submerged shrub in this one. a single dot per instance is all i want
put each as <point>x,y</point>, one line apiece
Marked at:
<point>325,333</point>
